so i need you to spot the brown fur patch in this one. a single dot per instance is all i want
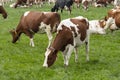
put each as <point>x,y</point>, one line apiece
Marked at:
<point>82,25</point>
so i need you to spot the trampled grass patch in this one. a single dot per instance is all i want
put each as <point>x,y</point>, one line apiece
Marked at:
<point>19,61</point>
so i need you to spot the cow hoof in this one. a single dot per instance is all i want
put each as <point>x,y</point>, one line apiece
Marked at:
<point>65,65</point>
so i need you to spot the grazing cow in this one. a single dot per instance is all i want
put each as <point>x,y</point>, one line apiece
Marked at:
<point>113,19</point>
<point>102,2</point>
<point>20,2</point>
<point>85,4</point>
<point>23,3</point>
<point>33,21</point>
<point>97,26</point>
<point>61,4</point>
<point>3,12</point>
<point>71,33</point>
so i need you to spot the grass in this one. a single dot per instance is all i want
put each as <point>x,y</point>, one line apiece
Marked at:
<point>19,61</point>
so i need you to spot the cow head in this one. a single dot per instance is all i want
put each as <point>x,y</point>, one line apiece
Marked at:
<point>14,35</point>
<point>101,30</point>
<point>3,12</point>
<point>50,57</point>
<point>102,23</point>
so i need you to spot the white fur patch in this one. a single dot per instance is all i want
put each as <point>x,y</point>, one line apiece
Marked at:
<point>69,24</point>
<point>46,56</point>
<point>114,10</point>
<point>26,13</point>
<point>94,27</point>
<point>66,23</point>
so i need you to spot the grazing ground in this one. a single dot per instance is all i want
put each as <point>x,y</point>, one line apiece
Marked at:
<point>19,61</point>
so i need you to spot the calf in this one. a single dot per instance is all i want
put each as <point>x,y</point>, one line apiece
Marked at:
<point>71,33</point>
<point>3,12</point>
<point>33,21</point>
<point>97,26</point>
<point>61,4</point>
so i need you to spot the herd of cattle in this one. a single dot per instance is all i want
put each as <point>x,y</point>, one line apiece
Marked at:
<point>61,3</point>
<point>70,33</point>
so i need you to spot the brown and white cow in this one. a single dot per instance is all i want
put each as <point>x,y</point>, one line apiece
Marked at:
<point>71,33</point>
<point>22,3</point>
<point>85,4</point>
<point>97,26</point>
<point>113,19</point>
<point>3,12</point>
<point>102,2</point>
<point>34,21</point>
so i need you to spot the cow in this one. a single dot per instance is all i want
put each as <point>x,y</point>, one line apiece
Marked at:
<point>85,4</point>
<point>71,33</point>
<point>102,2</point>
<point>22,3</point>
<point>62,4</point>
<point>3,11</point>
<point>112,19</point>
<point>97,26</point>
<point>32,22</point>
<point>97,5</point>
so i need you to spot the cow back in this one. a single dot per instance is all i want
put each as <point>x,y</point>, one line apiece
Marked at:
<point>31,20</point>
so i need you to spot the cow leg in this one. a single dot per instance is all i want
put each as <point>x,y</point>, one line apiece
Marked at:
<point>31,42</point>
<point>76,54</point>
<point>49,34</point>
<point>28,33</point>
<point>87,50</point>
<point>61,10</point>
<point>69,9</point>
<point>56,9</point>
<point>67,54</point>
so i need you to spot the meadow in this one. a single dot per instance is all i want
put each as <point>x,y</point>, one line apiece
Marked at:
<point>20,61</point>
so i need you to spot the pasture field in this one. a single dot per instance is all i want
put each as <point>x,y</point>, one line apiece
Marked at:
<point>19,61</point>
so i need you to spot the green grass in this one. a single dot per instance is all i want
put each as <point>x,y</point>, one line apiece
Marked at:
<point>19,61</point>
